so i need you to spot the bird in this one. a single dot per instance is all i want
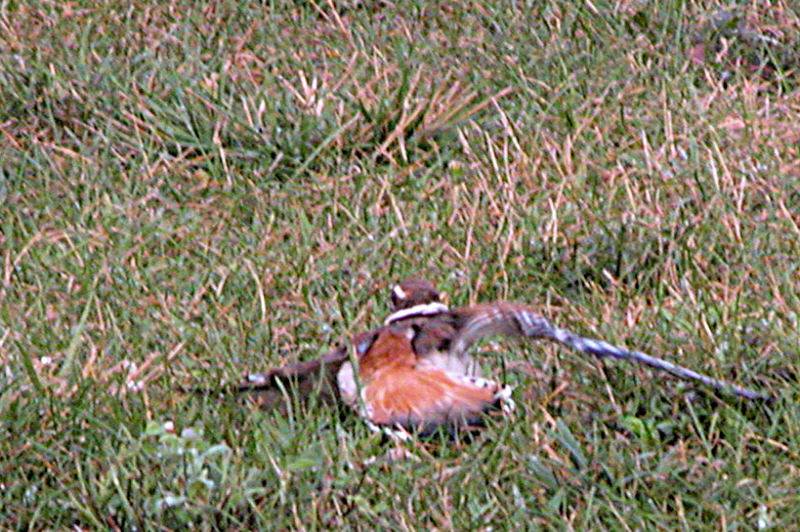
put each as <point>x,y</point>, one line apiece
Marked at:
<point>415,372</point>
<point>395,387</point>
<point>406,360</point>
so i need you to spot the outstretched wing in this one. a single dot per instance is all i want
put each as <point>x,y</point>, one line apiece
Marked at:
<point>297,371</point>
<point>328,364</point>
<point>318,375</point>
<point>501,318</point>
<point>518,320</point>
<point>310,378</point>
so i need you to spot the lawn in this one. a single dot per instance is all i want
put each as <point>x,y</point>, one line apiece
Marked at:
<point>191,190</point>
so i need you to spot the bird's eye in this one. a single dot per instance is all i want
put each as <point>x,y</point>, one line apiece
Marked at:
<point>398,294</point>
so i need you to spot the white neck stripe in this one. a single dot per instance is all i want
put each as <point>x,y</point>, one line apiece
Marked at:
<point>427,309</point>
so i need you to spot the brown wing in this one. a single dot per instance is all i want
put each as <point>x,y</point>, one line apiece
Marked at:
<point>307,378</point>
<point>512,319</point>
<point>424,399</point>
<point>298,370</point>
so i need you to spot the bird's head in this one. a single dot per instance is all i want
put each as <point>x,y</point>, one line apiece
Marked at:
<point>413,292</point>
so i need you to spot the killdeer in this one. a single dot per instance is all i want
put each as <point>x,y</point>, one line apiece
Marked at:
<point>414,372</point>
<point>402,390</point>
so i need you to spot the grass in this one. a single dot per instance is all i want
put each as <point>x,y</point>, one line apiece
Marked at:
<point>192,190</point>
